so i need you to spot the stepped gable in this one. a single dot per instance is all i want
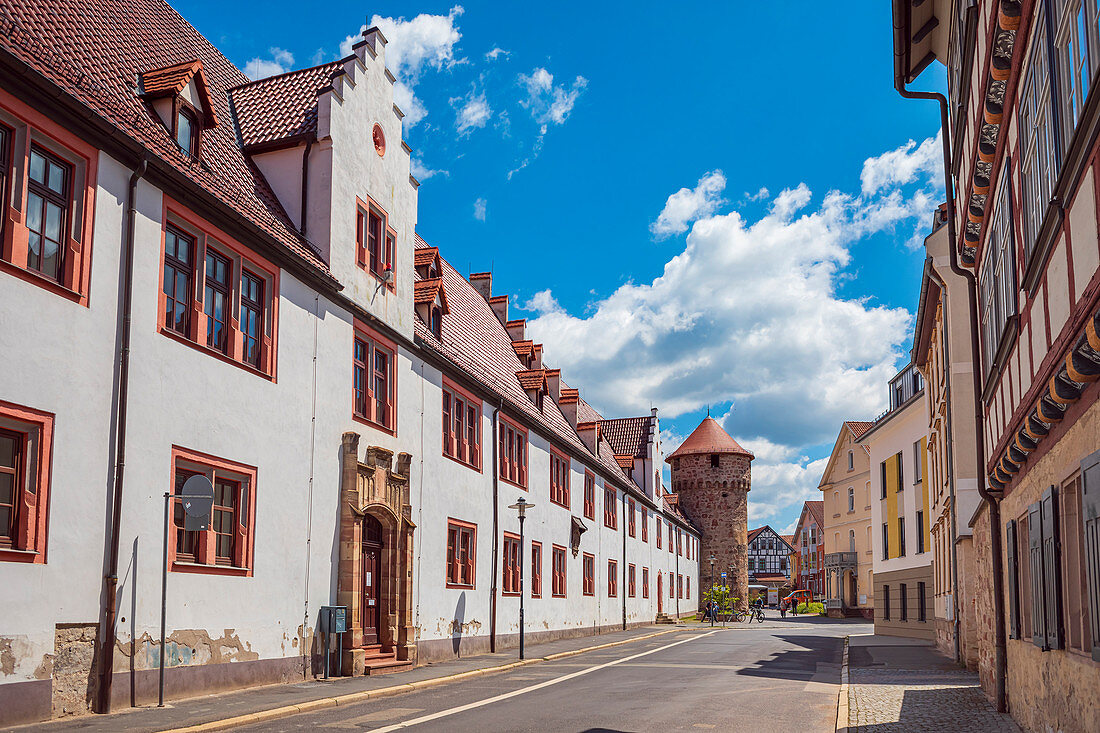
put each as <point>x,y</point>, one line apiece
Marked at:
<point>281,110</point>
<point>709,437</point>
<point>474,339</point>
<point>96,57</point>
<point>627,435</point>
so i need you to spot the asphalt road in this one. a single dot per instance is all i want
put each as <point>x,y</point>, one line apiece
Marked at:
<point>777,676</point>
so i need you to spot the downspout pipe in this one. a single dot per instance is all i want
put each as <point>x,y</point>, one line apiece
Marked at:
<point>902,7</point>
<point>105,663</point>
<point>496,527</point>
<point>305,183</point>
<point>622,595</point>
<point>954,531</point>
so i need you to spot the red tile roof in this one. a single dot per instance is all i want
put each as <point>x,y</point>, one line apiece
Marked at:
<point>754,532</point>
<point>171,80</point>
<point>569,396</point>
<point>709,437</point>
<point>817,510</point>
<point>789,539</point>
<point>474,339</point>
<point>625,461</point>
<point>283,108</point>
<point>531,378</point>
<point>94,50</point>
<point>859,427</point>
<point>524,348</point>
<point>425,256</point>
<point>627,435</point>
<point>425,291</point>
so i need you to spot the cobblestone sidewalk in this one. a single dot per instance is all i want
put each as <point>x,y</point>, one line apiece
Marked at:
<point>915,701</point>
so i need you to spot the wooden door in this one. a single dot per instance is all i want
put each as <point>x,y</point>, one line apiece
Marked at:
<point>660,595</point>
<point>372,564</point>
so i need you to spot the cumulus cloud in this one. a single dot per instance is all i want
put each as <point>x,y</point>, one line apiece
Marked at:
<point>543,302</point>
<point>549,103</point>
<point>479,209</point>
<point>422,172</point>
<point>414,45</point>
<point>689,204</point>
<point>748,314</point>
<point>903,165</point>
<point>280,62</point>
<point>471,112</point>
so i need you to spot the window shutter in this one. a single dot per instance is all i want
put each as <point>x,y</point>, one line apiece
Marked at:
<point>446,423</point>
<point>1090,513</point>
<point>501,456</point>
<point>1013,581</point>
<point>1035,565</point>
<point>1052,570</point>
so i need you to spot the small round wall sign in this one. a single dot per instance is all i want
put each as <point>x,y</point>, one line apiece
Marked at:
<point>379,139</point>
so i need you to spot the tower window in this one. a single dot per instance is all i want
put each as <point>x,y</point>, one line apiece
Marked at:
<point>714,460</point>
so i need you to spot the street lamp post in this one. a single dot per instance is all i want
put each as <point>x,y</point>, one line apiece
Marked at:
<point>521,506</point>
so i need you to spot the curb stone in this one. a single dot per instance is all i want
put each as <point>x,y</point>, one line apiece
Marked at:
<point>842,719</point>
<point>285,711</point>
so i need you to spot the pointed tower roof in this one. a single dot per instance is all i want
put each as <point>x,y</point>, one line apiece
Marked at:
<point>709,437</point>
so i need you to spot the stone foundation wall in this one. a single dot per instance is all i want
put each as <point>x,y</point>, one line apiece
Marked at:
<point>73,659</point>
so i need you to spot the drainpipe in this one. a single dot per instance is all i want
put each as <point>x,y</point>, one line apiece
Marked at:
<point>951,481</point>
<point>979,448</point>
<point>305,182</point>
<point>624,586</point>
<point>105,662</point>
<point>496,540</point>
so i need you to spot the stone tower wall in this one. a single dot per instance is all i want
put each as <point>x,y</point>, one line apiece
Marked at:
<point>716,500</point>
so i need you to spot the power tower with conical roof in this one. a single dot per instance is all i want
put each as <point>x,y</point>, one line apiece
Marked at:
<point>711,477</point>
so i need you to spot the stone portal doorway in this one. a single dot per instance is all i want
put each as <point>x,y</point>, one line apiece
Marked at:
<point>371,577</point>
<point>375,576</point>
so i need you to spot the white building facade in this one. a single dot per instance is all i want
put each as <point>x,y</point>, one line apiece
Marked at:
<point>200,274</point>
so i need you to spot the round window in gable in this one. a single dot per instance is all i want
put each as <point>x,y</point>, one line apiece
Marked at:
<point>379,140</point>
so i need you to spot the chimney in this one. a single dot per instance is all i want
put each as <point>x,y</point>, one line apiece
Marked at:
<point>483,283</point>
<point>590,434</point>
<point>536,361</point>
<point>567,403</point>
<point>553,383</point>
<point>499,304</point>
<point>516,329</point>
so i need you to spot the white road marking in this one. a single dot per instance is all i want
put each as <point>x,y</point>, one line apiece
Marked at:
<point>532,688</point>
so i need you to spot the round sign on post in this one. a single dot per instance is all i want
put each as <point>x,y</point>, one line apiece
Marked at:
<point>197,497</point>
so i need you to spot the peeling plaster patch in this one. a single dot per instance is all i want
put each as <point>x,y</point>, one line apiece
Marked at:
<point>7,657</point>
<point>465,629</point>
<point>44,670</point>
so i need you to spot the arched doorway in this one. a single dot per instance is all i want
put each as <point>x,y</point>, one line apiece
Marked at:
<point>372,578</point>
<point>660,595</point>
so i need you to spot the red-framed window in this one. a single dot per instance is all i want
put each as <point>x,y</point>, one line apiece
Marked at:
<point>510,565</point>
<point>46,217</point>
<point>558,569</point>
<point>679,542</point>
<point>679,586</point>
<point>631,521</point>
<point>536,569</point>
<point>657,530</point>
<point>645,582</point>
<point>687,585</point>
<point>631,572</point>
<point>461,426</point>
<point>589,495</point>
<point>610,508</point>
<point>373,380</point>
<point>26,457</point>
<point>645,525</point>
<point>461,553</point>
<point>374,239</point>
<point>49,210</point>
<point>217,295</point>
<point>226,546</point>
<point>671,587</point>
<point>513,453</point>
<point>588,566</point>
<point>670,547</point>
<point>612,578</point>
<point>559,479</point>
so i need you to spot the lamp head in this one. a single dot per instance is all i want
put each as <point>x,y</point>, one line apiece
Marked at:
<point>521,506</point>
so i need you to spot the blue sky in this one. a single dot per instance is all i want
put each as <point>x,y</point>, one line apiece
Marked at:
<point>719,206</point>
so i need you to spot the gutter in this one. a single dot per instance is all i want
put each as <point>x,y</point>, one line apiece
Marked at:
<point>901,9</point>
<point>105,656</point>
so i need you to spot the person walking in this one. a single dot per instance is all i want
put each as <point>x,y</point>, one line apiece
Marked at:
<point>783,609</point>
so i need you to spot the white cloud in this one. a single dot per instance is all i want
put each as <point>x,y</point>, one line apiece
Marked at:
<point>543,302</point>
<point>479,209</point>
<point>422,172</point>
<point>689,204</point>
<point>748,314</point>
<point>318,57</point>
<point>472,111</point>
<point>496,53</point>
<point>549,104</point>
<point>413,45</point>
<point>903,165</point>
<point>281,61</point>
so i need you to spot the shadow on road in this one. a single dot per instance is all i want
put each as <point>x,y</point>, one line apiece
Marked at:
<point>798,663</point>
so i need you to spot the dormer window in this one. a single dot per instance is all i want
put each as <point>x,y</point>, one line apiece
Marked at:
<point>430,303</point>
<point>436,324</point>
<point>186,131</point>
